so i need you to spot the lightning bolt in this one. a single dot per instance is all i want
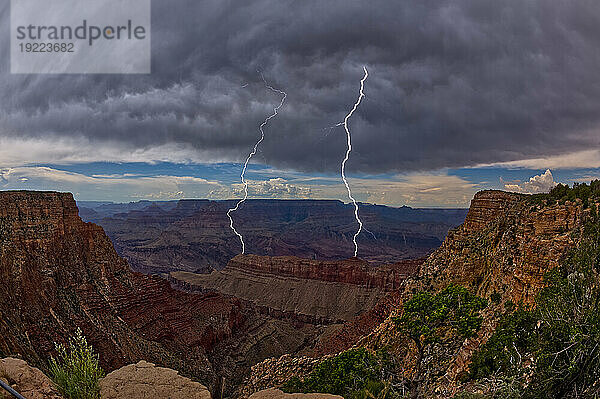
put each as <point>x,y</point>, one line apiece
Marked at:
<point>348,151</point>
<point>252,153</point>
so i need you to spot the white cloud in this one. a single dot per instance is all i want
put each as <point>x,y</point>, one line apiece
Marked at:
<point>110,188</point>
<point>271,188</point>
<point>53,150</point>
<point>537,184</point>
<point>417,190</point>
<point>574,160</point>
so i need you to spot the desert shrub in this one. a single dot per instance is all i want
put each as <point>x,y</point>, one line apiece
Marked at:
<point>562,193</point>
<point>495,297</point>
<point>514,337</point>
<point>470,395</point>
<point>353,373</point>
<point>76,370</point>
<point>375,390</point>
<point>429,319</point>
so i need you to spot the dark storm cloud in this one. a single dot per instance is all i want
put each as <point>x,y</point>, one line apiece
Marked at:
<point>452,83</point>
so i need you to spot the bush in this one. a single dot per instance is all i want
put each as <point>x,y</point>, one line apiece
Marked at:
<point>76,371</point>
<point>429,319</point>
<point>375,390</point>
<point>495,297</point>
<point>561,193</point>
<point>513,338</point>
<point>354,373</point>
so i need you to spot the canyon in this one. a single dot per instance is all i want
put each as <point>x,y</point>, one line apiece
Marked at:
<point>321,291</point>
<point>259,319</point>
<point>61,273</point>
<point>194,235</point>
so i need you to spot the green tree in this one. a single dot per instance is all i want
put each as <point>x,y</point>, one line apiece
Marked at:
<point>428,318</point>
<point>76,370</point>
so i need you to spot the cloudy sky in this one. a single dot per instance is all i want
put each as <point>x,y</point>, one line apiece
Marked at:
<point>462,95</point>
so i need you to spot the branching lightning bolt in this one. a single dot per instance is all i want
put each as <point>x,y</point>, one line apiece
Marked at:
<point>348,151</point>
<point>252,153</point>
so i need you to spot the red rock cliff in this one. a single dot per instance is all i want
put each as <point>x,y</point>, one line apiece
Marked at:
<point>506,245</point>
<point>351,271</point>
<point>59,273</point>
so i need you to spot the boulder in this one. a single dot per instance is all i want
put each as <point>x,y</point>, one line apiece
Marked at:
<point>144,380</point>
<point>28,381</point>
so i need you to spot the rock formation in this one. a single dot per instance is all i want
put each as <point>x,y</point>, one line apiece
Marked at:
<point>28,381</point>
<point>275,372</point>
<point>506,245</point>
<point>314,291</point>
<point>60,273</point>
<point>144,380</point>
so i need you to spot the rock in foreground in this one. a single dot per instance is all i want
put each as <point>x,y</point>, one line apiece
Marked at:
<point>144,380</point>
<point>28,381</point>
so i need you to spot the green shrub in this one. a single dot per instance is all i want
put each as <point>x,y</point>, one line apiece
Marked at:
<point>470,395</point>
<point>375,390</point>
<point>495,297</point>
<point>562,193</point>
<point>352,373</point>
<point>429,319</point>
<point>75,370</point>
<point>513,338</point>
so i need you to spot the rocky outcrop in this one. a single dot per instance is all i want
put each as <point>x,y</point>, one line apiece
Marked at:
<point>28,381</point>
<point>487,206</point>
<point>506,245</point>
<point>144,380</point>
<point>351,271</point>
<point>60,273</point>
<point>308,290</point>
<point>348,334</point>
<point>507,255</point>
<point>195,236</point>
<point>278,394</point>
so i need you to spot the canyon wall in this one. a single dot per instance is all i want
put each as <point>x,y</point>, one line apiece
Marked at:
<point>506,245</point>
<point>320,291</point>
<point>60,274</point>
